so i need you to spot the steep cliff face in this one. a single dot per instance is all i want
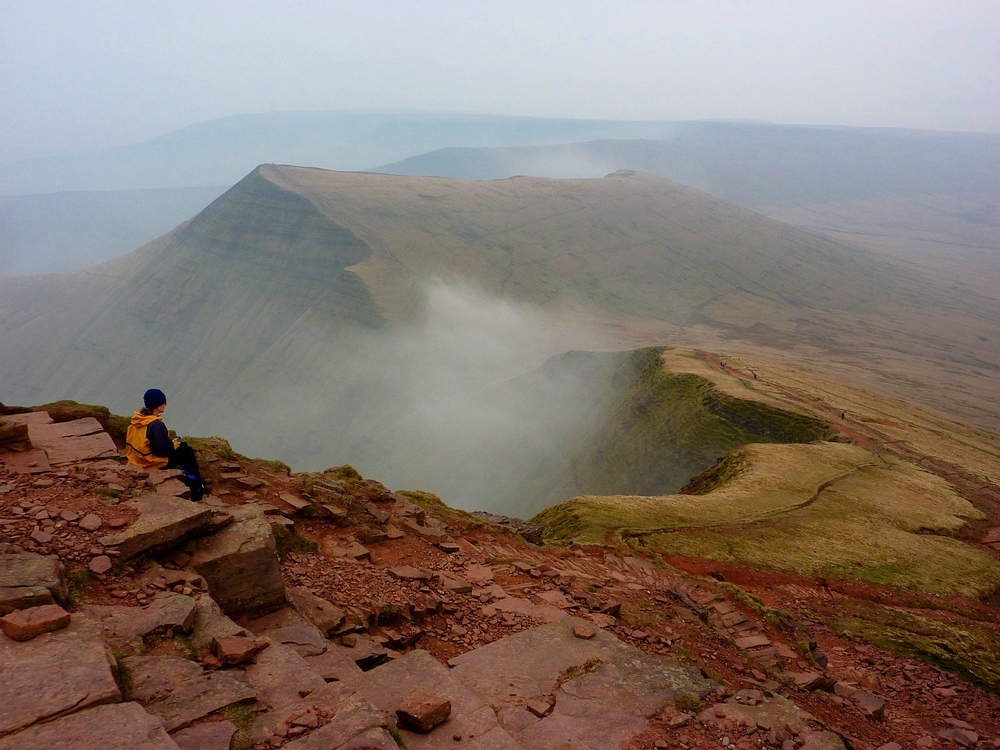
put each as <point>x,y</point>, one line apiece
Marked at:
<point>192,309</point>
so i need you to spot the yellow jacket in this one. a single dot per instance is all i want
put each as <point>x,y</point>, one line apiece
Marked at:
<point>137,449</point>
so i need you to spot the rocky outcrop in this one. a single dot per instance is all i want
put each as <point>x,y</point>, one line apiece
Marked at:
<point>240,564</point>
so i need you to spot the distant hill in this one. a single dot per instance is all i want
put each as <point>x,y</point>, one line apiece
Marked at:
<point>928,199</point>
<point>221,152</point>
<point>57,232</point>
<point>752,164</point>
<point>313,315</point>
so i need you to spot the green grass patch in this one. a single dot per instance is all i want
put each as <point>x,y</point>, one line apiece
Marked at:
<point>690,703</point>
<point>970,651</point>
<point>816,509</point>
<point>345,473</point>
<point>273,467</point>
<point>396,736</point>
<point>752,602</point>
<point>185,646</point>
<point>579,670</point>
<point>430,501</point>
<point>242,717</point>
<point>210,447</point>
<point>77,582</point>
<point>126,680</point>
<point>288,539</point>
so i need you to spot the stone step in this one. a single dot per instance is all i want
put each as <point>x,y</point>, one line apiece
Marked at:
<point>164,521</point>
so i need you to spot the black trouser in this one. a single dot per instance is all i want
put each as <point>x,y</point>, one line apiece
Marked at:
<point>183,458</point>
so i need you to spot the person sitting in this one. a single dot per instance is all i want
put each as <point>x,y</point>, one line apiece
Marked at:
<point>148,444</point>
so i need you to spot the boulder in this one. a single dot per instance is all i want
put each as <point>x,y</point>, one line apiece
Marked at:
<point>164,521</point>
<point>51,675</point>
<point>25,624</point>
<point>123,726</point>
<point>453,583</point>
<point>91,522</point>
<point>240,564</point>
<point>30,580</point>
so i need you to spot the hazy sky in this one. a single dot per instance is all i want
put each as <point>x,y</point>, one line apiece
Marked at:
<point>85,74</point>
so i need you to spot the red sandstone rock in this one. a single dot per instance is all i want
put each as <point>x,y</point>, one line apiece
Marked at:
<point>235,649</point>
<point>25,624</point>
<point>100,565</point>
<point>584,631</point>
<point>421,712</point>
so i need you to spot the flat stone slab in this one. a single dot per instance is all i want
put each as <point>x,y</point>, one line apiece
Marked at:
<point>753,641</point>
<point>28,417</point>
<point>305,640</point>
<point>51,675</point>
<point>123,726</point>
<point>198,696</point>
<point>604,689</point>
<point>240,565</point>
<point>354,717</point>
<point>387,686</point>
<point>30,580</point>
<point>155,677</point>
<point>164,521</point>
<point>334,665</point>
<point>212,735</point>
<point>69,442</point>
<point>544,613</point>
<point>281,677</point>
<point>129,625</point>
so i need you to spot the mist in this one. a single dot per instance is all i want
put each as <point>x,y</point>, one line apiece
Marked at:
<point>460,403</point>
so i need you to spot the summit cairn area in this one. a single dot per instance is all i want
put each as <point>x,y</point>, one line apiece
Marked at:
<point>322,611</point>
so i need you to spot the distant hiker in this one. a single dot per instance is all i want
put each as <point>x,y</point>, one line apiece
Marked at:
<point>148,444</point>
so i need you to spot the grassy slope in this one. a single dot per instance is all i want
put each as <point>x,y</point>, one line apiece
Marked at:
<point>819,509</point>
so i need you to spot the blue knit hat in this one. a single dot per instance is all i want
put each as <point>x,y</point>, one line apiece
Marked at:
<point>153,398</point>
